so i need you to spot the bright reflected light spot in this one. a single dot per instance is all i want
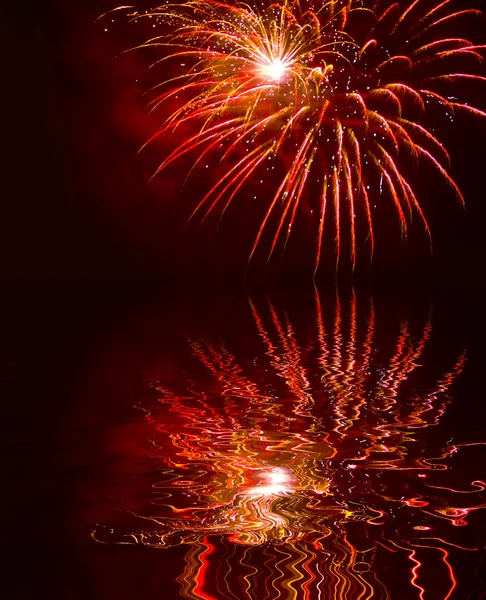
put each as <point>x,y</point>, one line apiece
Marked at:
<point>278,482</point>
<point>278,476</point>
<point>274,70</point>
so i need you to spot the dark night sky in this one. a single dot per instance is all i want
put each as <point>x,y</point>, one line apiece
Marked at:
<point>76,202</point>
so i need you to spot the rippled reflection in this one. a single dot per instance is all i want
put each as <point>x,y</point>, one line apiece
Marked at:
<point>293,459</point>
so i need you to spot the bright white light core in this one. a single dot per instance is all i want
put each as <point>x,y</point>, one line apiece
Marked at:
<point>274,70</point>
<point>278,479</point>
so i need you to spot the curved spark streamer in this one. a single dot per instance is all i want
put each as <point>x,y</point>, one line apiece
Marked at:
<point>307,97</point>
<point>292,462</point>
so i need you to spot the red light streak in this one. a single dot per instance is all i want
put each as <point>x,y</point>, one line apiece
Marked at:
<point>201,572</point>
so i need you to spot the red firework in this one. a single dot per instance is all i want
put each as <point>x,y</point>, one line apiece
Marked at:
<point>326,102</point>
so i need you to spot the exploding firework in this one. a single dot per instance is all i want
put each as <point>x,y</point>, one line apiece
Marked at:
<point>330,103</point>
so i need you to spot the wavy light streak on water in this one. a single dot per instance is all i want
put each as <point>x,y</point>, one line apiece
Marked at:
<point>291,470</point>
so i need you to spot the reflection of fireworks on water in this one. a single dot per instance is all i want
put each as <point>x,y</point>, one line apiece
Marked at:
<point>308,447</point>
<point>329,102</point>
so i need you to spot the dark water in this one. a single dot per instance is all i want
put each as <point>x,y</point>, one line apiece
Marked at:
<point>240,445</point>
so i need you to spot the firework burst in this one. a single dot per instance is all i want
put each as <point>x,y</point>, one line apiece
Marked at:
<point>327,102</point>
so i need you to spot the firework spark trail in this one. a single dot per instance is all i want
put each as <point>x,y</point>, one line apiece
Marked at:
<point>336,96</point>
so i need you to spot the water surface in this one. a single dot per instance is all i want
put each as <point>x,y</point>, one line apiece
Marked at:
<point>290,445</point>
